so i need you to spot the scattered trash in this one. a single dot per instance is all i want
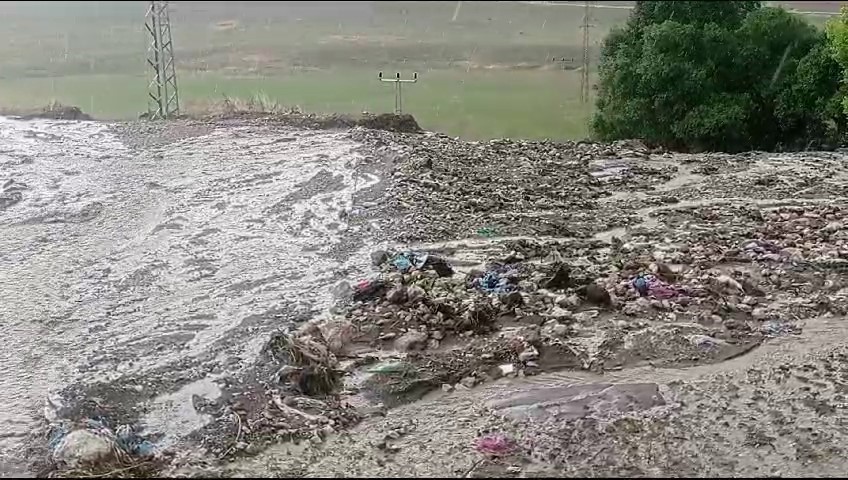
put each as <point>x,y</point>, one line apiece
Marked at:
<point>496,445</point>
<point>776,328</point>
<point>495,281</point>
<point>640,283</point>
<point>367,288</point>
<point>650,285</point>
<point>406,261</point>
<point>486,232</point>
<point>390,367</point>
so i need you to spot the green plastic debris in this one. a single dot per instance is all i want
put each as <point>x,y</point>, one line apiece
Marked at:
<point>486,232</point>
<point>393,367</point>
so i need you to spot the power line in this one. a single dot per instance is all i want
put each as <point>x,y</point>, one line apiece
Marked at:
<point>584,73</point>
<point>398,88</point>
<point>163,97</point>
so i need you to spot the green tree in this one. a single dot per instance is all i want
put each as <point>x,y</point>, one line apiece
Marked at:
<point>716,76</point>
<point>837,36</point>
<point>696,13</point>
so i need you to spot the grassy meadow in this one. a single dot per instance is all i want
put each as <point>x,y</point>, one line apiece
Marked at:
<point>485,71</point>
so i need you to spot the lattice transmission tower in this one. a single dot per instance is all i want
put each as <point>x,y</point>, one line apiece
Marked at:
<point>163,98</point>
<point>584,73</point>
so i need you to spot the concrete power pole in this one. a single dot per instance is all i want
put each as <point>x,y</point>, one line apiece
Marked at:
<point>163,99</point>
<point>584,73</point>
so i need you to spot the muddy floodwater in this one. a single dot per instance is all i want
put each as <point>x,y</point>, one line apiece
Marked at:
<point>120,258</point>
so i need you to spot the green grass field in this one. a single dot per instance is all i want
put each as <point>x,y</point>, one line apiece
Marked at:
<point>488,73</point>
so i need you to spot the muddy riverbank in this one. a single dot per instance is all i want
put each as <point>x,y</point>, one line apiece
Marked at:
<point>600,296</point>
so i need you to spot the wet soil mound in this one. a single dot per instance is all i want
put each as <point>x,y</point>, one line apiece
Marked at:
<point>404,123</point>
<point>58,112</point>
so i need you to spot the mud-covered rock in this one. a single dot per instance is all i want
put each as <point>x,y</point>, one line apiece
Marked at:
<point>84,448</point>
<point>411,341</point>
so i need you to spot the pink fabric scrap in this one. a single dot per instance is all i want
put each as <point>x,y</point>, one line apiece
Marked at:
<point>494,444</point>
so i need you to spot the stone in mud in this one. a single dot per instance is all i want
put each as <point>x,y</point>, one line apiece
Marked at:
<point>665,272</point>
<point>751,289</point>
<point>639,306</point>
<point>560,330</point>
<point>338,335</point>
<point>415,294</point>
<point>597,295</point>
<point>528,354</point>
<point>468,382</point>
<point>513,299</point>
<point>440,266</point>
<point>411,341</point>
<point>475,273</point>
<point>561,278</point>
<point>397,295</point>
<point>379,257</point>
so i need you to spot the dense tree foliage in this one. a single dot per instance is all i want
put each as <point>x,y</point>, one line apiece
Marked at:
<point>715,75</point>
<point>837,35</point>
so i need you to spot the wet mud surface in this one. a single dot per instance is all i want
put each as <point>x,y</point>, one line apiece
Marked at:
<point>200,279</point>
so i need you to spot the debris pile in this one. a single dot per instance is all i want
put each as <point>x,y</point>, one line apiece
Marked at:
<point>443,188</point>
<point>300,401</point>
<point>91,447</point>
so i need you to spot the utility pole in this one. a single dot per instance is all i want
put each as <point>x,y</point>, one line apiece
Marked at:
<point>565,62</point>
<point>584,74</point>
<point>456,12</point>
<point>398,91</point>
<point>163,99</point>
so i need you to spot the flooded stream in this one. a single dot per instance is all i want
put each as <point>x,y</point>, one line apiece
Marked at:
<point>119,260</point>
